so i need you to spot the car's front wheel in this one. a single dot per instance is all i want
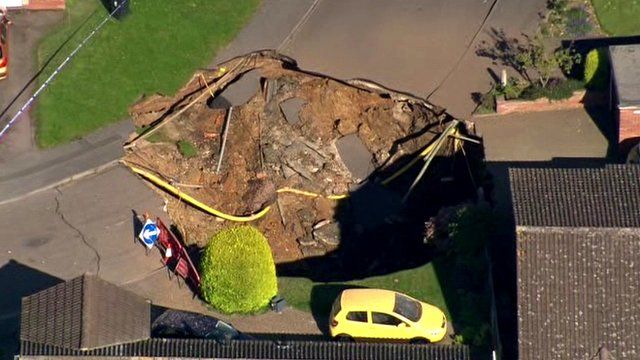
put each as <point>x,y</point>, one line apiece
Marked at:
<point>420,341</point>
<point>344,338</point>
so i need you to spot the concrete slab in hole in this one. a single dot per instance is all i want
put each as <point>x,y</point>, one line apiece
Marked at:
<point>355,156</point>
<point>291,109</point>
<point>238,92</point>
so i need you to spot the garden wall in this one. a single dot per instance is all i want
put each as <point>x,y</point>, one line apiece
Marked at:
<point>578,100</point>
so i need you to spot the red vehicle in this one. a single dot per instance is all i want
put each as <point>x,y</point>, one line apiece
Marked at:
<point>4,43</point>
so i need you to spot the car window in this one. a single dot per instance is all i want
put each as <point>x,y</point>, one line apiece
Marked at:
<point>360,316</point>
<point>407,307</point>
<point>385,319</point>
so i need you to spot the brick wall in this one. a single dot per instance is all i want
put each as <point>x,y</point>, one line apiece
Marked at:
<point>579,99</point>
<point>629,128</point>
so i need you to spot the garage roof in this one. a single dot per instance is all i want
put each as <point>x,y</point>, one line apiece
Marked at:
<point>625,60</point>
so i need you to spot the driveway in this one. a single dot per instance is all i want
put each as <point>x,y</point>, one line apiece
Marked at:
<point>25,33</point>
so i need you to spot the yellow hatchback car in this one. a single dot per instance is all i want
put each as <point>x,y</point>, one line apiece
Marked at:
<point>385,315</point>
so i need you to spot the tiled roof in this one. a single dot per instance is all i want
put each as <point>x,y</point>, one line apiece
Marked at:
<point>577,197</point>
<point>256,349</point>
<point>578,289</point>
<point>84,313</point>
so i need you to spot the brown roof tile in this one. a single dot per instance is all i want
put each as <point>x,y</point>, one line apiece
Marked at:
<point>84,313</point>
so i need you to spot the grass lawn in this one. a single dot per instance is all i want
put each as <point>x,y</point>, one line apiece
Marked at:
<point>420,283</point>
<point>618,17</point>
<point>154,49</point>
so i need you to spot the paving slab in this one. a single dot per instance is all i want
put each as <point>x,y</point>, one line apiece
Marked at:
<point>356,157</point>
<point>291,109</point>
<point>238,92</point>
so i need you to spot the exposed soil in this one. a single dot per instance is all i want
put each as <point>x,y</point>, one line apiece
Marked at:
<point>266,152</point>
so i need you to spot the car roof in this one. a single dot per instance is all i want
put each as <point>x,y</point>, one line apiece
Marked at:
<point>368,299</point>
<point>195,324</point>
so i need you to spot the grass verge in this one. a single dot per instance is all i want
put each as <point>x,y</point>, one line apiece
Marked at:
<point>154,49</point>
<point>618,17</point>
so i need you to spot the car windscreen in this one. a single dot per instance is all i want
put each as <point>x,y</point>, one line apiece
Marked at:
<point>407,307</point>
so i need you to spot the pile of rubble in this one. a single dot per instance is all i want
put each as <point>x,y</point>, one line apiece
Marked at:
<point>259,136</point>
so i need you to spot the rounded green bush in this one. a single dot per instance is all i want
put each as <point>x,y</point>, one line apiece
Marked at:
<point>596,68</point>
<point>238,272</point>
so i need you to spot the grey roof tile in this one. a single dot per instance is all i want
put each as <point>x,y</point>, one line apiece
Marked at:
<point>578,289</point>
<point>577,197</point>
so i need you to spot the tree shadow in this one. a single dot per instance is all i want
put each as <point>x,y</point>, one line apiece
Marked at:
<point>17,281</point>
<point>504,50</point>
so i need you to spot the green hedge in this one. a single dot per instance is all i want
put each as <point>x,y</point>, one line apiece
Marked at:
<point>238,272</point>
<point>559,91</point>
<point>596,69</point>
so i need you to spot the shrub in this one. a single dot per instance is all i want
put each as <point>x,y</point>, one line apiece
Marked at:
<point>557,90</point>
<point>238,272</point>
<point>187,149</point>
<point>577,22</point>
<point>596,69</point>
<point>470,229</point>
<point>486,102</point>
<point>564,89</point>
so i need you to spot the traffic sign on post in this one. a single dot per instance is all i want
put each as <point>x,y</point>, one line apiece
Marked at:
<point>149,233</point>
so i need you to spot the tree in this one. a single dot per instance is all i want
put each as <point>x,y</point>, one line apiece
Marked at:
<point>535,56</point>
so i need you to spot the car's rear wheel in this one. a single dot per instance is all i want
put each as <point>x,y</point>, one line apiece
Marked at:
<point>344,338</point>
<point>420,341</point>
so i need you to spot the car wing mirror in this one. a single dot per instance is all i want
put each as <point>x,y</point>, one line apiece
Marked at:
<point>403,325</point>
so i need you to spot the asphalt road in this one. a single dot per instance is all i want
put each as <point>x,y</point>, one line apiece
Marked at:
<point>424,47</point>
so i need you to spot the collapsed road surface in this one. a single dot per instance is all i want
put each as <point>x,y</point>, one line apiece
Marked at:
<point>258,140</point>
